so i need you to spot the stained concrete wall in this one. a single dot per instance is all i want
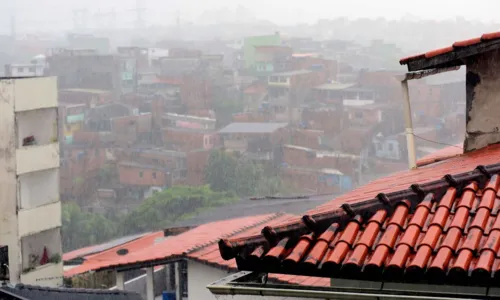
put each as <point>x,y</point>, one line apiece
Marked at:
<point>482,99</point>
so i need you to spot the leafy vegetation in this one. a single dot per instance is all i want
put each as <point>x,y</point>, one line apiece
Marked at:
<point>227,172</point>
<point>157,212</point>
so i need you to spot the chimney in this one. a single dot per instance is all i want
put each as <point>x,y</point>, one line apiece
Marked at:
<point>482,86</point>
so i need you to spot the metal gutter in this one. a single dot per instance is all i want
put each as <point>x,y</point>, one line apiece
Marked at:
<point>247,283</point>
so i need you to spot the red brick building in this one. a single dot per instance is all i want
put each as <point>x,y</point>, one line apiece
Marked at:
<point>143,175</point>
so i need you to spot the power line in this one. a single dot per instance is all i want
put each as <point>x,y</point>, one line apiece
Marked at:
<point>436,142</point>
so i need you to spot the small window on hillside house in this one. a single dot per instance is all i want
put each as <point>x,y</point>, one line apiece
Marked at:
<point>141,174</point>
<point>154,175</point>
<point>379,146</point>
<point>391,147</point>
<point>358,114</point>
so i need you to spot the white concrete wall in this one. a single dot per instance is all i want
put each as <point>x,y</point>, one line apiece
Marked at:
<point>200,275</point>
<point>34,244</point>
<point>38,188</point>
<point>18,97</point>
<point>46,275</point>
<point>41,124</point>
<point>37,158</point>
<point>39,219</point>
<point>8,221</point>
<point>35,93</point>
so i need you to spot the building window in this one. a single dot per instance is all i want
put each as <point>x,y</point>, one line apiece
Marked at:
<point>20,69</point>
<point>379,147</point>
<point>391,147</point>
<point>154,175</point>
<point>141,174</point>
<point>32,69</point>
<point>358,115</point>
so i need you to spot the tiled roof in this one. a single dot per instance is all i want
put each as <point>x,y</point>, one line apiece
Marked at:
<point>441,155</point>
<point>198,244</point>
<point>437,224</point>
<point>210,255</point>
<point>450,49</point>
<point>145,250</point>
<point>99,248</point>
<point>46,293</point>
<point>111,255</point>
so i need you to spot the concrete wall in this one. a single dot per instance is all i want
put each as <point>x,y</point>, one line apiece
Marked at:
<point>38,188</point>
<point>482,95</point>
<point>8,222</point>
<point>38,123</point>
<point>200,275</point>
<point>19,100</point>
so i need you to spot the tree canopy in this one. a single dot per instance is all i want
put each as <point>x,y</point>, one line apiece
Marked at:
<point>227,172</point>
<point>163,209</point>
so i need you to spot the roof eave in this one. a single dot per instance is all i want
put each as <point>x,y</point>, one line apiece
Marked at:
<point>252,283</point>
<point>454,58</point>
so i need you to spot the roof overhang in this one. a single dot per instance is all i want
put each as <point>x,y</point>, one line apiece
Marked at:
<point>452,57</point>
<point>255,284</point>
<point>425,73</point>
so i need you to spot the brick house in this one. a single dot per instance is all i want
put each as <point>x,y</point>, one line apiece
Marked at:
<point>143,175</point>
<point>288,90</point>
<point>260,141</point>
<point>79,170</point>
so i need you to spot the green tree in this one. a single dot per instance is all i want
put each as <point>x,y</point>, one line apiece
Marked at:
<point>81,228</point>
<point>157,212</point>
<point>220,173</point>
<point>225,172</point>
<point>171,205</point>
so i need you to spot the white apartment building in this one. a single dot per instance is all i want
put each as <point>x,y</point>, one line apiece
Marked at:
<point>30,208</point>
<point>24,70</point>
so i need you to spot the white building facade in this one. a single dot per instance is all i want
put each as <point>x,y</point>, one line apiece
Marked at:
<point>29,180</point>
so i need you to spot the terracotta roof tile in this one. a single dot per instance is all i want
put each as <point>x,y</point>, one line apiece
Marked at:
<point>441,229</point>
<point>459,44</point>
<point>197,244</point>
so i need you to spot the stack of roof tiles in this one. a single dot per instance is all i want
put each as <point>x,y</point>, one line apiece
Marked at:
<point>446,230</point>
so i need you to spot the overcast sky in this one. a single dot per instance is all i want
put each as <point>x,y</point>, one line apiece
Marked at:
<point>58,13</point>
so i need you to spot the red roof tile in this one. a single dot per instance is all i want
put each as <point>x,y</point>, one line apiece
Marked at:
<point>110,255</point>
<point>145,250</point>
<point>210,255</point>
<point>197,244</point>
<point>441,155</point>
<point>459,44</point>
<point>441,229</point>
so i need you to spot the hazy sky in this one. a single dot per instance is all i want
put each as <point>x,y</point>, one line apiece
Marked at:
<point>58,13</point>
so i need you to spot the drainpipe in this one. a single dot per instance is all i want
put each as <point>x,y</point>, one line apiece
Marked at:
<point>410,138</point>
